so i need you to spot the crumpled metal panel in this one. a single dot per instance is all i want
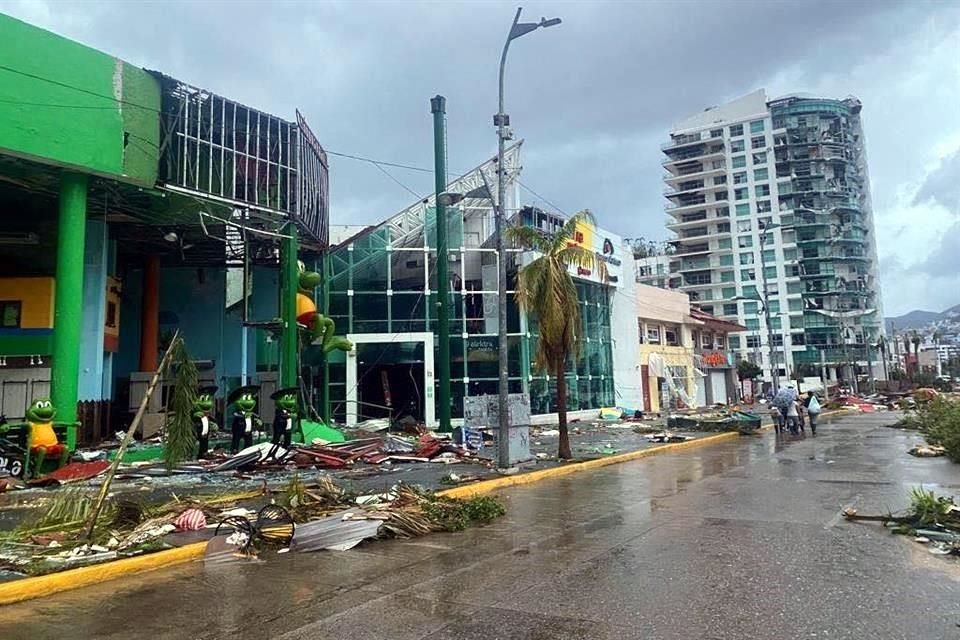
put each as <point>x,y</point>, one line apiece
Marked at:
<point>333,532</point>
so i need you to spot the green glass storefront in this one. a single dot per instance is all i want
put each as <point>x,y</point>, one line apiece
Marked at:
<point>383,281</point>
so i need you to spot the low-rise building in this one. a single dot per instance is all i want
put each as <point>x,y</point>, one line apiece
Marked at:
<point>685,360</point>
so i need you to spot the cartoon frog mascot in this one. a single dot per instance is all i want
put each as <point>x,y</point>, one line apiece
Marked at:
<point>43,439</point>
<point>202,421</point>
<point>286,419</point>
<point>245,419</point>
<point>319,329</point>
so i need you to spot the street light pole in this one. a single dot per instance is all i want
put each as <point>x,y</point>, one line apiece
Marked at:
<point>502,122</point>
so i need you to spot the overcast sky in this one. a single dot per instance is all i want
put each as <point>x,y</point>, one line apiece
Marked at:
<point>594,97</point>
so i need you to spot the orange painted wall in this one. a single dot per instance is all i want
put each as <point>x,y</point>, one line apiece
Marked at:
<point>36,299</point>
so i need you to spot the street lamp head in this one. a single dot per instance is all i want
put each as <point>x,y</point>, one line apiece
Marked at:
<point>448,198</point>
<point>769,226</point>
<point>523,28</point>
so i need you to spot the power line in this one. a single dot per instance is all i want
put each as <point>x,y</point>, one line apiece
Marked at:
<point>23,103</point>
<point>542,198</point>
<point>392,177</point>
<point>78,89</point>
<point>379,162</point>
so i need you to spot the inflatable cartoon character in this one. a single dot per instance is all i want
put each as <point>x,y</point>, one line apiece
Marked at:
<point>320,329</point>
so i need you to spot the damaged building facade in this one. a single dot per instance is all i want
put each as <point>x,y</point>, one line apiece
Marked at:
<point>771,199</point>
<point>134,205</point>
<point>382,293</point>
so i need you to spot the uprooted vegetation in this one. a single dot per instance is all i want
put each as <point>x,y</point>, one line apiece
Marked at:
<point>406,511</point>
<point>939,421</point>
<point>931,519</point>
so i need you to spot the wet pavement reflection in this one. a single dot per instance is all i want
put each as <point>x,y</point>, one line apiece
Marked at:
<point>736,540</point>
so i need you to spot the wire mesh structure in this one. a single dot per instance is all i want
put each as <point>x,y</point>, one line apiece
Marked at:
<point>220,150</point>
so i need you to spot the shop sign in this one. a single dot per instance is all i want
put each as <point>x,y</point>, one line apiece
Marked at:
<point>715,359</point>
<point>482,349</point>
<point>607,247</point>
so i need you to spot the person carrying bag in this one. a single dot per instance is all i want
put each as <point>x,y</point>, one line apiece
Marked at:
<point>813,410</point>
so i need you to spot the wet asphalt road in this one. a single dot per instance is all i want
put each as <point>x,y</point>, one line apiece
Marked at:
<point>740,540</point>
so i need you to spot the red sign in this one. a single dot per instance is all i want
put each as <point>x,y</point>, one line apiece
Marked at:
<point>715,358</point>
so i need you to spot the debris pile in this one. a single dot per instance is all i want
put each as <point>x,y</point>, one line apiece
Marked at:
<point>55,539</point>
<point>299,517</point>
<point>932,520</point>
<point>324,517</point>
<point>717,420</point>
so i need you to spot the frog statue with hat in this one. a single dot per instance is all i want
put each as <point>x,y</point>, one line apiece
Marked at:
<point>245,418</point>
<point>202,422</point>
<point>286,418</point>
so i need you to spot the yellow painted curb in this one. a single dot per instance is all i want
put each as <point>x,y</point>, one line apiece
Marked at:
<point>29,588</point>
<point>486,486</point>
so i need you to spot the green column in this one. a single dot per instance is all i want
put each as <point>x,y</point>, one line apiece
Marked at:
<point>68,296</point>
<point>289,275</point>
<point>327,274</point>
<point>438,108</point>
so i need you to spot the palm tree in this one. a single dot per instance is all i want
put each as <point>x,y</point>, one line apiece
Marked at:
<point>545,291</point>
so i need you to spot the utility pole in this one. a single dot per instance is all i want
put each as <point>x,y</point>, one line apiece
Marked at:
<point>774,374</point>
<point>502,121</point>
<point>438,107</point>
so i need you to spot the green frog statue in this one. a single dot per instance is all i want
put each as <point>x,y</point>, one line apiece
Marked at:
<point>43,439</point>
<point>202,421</point>
<point>318,328</point>
<point>245,419</point>
<point>286,418</point>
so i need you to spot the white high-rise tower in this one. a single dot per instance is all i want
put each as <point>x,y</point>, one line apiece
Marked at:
<point>795,166</point>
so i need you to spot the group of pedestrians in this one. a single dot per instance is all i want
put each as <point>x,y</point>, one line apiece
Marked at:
<point>788,410</point>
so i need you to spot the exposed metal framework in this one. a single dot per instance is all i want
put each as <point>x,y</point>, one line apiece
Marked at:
<point>409,221</point>
<point>313,185</point>
<point>222,151</point>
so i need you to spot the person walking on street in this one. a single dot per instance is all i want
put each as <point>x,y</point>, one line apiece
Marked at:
<point>777,416</point>
<point>813,410</point>
<point>793,417</point>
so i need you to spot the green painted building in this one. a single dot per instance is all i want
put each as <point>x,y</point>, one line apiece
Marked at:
<point>133,205</point>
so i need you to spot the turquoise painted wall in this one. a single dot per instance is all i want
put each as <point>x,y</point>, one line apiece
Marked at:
<point>212,333</point>
<point>66,104</point>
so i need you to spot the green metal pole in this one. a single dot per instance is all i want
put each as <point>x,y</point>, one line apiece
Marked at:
<point>325,264</point>
<point>289,275</point>
<point>68,298</point>
<point>438,107</point>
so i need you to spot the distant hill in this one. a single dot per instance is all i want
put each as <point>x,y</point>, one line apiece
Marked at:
<point>918,319</point>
